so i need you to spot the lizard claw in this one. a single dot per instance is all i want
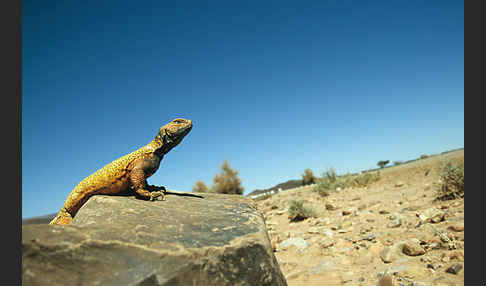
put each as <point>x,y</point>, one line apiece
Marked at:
<point>155,195</point>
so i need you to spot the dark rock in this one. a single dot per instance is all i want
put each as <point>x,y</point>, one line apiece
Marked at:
<point>115,240</point>
<point>454,268</point>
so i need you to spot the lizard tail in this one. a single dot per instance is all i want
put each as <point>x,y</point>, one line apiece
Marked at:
<point>63,217</point>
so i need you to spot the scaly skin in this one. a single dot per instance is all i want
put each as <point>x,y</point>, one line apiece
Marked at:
<point>128,172</point>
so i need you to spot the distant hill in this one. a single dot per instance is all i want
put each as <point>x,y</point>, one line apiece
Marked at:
<point>44,219</point>
<point>290,184</point>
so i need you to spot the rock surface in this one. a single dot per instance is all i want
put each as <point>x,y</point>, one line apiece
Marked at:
<point>115,240</point>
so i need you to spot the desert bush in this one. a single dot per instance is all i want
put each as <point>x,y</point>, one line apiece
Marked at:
<point>327,183</point>
<point>200,187</point>
<point>382,163</point>
<point>227,182</point>
<point>330,181</point>
<point>308,177</point>
<point>396,163</point>
<point>366,179</point>
<point>424,156</point>
<point>298,211</point>
<point>452,178</point>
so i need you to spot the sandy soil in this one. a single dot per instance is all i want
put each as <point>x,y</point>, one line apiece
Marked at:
<point>393,227</point>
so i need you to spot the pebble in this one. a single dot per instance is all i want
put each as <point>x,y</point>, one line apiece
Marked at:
<point>327,232</point>
<point>399,184</point>
<point>370,237</point>
<point>395,223</point>
<point>457,227</point>
<point>331,206</point>
<point>391,253</point>
<point>326,243</point>
<point>433,215</point>
<point>413,248</point>
<point>280,212</point>
<point>386,280</point>
<point>433,266</point>
<point>454,268</point>
<point>298,242</point>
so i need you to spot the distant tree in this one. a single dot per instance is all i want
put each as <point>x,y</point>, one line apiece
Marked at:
<point>383,163</point>
<point>200,187</point>
<point>424,156</point>
<point>308,177</point>
<point>397,163</point>
<point>228,181</point>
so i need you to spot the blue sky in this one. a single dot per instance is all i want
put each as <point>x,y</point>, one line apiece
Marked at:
<point>273,87</point>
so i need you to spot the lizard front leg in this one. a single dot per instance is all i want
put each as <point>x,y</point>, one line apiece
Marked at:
<point>145,191</point>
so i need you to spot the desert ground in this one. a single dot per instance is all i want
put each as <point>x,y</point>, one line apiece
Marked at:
<point>394,227</point>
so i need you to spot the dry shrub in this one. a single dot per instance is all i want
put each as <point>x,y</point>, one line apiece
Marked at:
<point>330,181</point>
<point>228,181</point>
<point>364,180</point>
<point>308,177</point>
<point>452,178</point>
<point>298,211</point>
<point>200,187</point>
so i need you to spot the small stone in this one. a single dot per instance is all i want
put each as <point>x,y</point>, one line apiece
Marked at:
<point>326,243</point>
<point>433,215</point>
<point>383,212</point>
<point>426,259</point>
<point>433,266</point>
<point>370,237</point>
<point>322,221</point>
<point>346,212</point>
<point>457,255</point>
<point>327,232</point>
<point>454,268</point>
<point>386,280</point>
<point>395,223</point>
<point>362,207</point>
<point>298,242</point>
<point>331,206</point>
<point>457,227</point>
<point>346,224</point>
<point>392,253</point>
<point>413,248</point>
<point>399,184</point>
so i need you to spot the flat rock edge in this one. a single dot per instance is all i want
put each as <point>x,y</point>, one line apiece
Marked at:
<point>72,256</point>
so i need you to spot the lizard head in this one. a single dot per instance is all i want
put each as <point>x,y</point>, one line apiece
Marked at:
<point>171,134</point>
